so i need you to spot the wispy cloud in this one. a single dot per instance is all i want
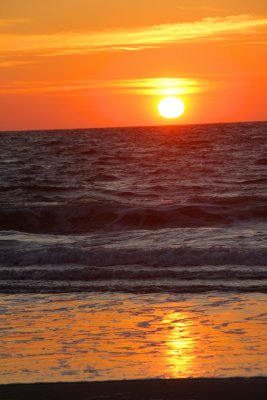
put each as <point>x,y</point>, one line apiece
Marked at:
<point>11,63</point>
<point>145,86</point>
<point>134,39</point>
<point>7,22</point>
<point>164,86</point>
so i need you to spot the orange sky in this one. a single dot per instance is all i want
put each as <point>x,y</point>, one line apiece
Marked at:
<point>93,63</point>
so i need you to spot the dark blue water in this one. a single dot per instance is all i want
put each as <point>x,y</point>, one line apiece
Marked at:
<point>142,210</point>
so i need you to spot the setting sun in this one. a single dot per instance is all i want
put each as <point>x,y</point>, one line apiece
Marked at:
<point>171,107</point>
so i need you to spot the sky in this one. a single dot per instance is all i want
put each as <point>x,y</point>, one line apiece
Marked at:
<point>106,63</point>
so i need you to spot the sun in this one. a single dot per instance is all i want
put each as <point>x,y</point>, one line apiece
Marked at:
<point>171,107</point>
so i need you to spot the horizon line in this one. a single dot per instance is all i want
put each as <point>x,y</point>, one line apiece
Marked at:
<point>135,126</point>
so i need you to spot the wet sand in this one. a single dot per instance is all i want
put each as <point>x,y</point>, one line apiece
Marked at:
<point>186,389</point>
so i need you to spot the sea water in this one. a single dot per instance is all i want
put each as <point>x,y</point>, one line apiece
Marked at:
<point>133,253</point>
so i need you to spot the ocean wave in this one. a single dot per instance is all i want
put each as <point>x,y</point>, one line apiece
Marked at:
<point>38,188</point>
<point>94,215</point>
<point>152,257</point>
<point>135,287</point>
<point>262,161</point>
<point>131,272</point>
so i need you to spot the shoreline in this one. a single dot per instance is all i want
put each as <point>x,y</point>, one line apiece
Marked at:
<point>165,389</point>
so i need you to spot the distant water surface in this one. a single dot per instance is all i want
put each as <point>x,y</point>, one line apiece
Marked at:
<point>154,211</point>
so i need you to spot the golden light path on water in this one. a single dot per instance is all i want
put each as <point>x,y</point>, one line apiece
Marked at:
<point>77,337</point>
<point>180,345</point>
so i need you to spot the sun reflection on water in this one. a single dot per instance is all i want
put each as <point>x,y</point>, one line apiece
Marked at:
<point>180,345</point>
<point>87,337</point>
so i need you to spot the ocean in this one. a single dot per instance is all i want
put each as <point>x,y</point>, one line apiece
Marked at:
<point>133,253</point>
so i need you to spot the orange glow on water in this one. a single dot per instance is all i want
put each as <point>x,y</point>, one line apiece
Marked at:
<point>73,337</point>
<point>180,345</point>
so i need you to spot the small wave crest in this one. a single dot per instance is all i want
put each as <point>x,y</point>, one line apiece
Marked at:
<point>131,272</point>
<point>151,257</point>
<point>166,286</point>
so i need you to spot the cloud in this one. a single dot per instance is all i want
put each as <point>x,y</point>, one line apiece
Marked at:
<point>145,86</point>
<point>7,22</point>
<point>10,63</point>
<point>132,39</point>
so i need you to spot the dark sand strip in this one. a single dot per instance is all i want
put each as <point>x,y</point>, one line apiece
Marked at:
<point>193,389</point>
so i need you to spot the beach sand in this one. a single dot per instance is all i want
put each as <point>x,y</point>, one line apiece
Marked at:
<point>202,388</point>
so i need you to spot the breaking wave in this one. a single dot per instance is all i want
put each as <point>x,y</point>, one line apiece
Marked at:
<point>132,272</point>
<point>153,257</point>
<point>86,217</point>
